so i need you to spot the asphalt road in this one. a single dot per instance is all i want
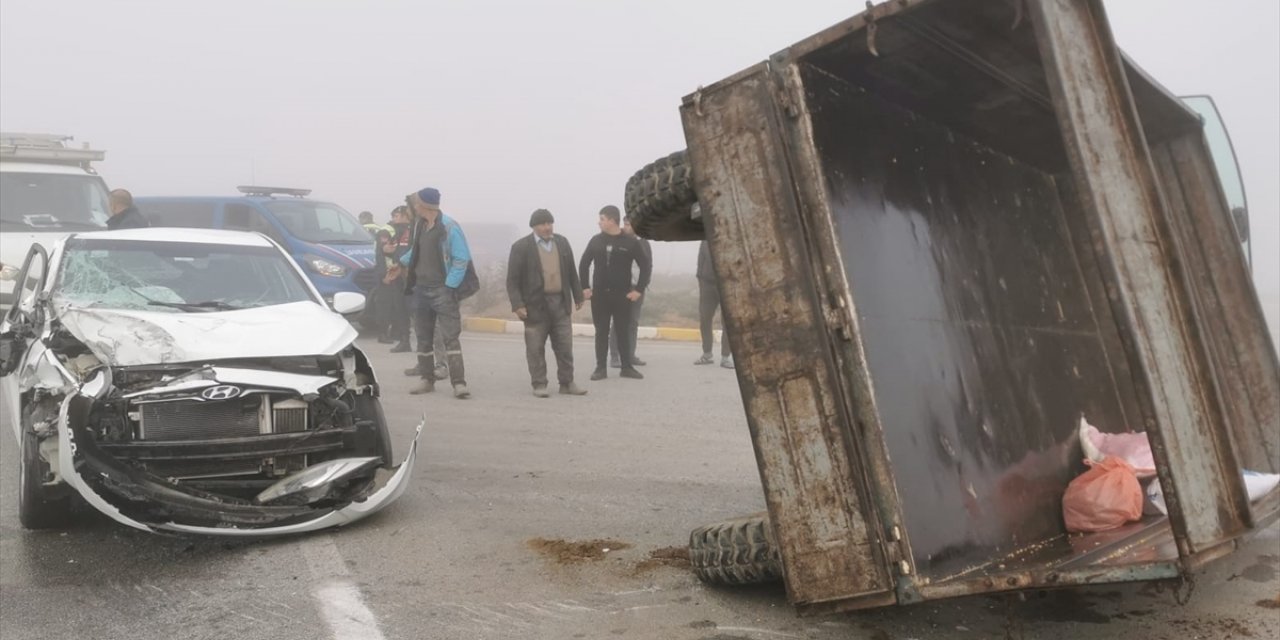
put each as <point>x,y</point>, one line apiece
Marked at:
<point>635,463</point>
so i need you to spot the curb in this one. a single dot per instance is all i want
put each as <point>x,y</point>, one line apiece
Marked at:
<point>497,325</point>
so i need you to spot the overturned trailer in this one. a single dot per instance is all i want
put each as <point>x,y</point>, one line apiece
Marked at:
<point>946,230</point>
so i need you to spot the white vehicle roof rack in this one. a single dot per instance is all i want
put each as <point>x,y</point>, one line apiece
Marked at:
<point>46,147</point>
<point>249,190</point>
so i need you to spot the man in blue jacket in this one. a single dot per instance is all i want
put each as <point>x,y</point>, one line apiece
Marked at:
<point>438,277</point>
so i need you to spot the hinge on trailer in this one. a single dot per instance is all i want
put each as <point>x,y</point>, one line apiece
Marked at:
<point>837,318</point>
<point>902,565</point>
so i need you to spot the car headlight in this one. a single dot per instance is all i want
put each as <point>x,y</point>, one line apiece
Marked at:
<point>8,272</point>
<point>325,267</point>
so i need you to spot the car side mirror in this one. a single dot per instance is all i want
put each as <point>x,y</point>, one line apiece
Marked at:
<point>348,302</point>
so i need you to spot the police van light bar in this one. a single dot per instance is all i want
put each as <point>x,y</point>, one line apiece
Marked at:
<point>271,191</point>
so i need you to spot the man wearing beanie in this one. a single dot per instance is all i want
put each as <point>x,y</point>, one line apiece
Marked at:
<point>612,292</point>
<point>544,289</point>
<point>439,276</point>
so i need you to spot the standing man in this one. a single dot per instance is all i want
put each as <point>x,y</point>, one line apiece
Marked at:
<point>123,214</point>
<point>366,221</point>
<point>614,360</point>
<point>708,300</point>
<point>612,292</point>
<point>545,291</point>
<point>396,249</point>
<point>439,275</point>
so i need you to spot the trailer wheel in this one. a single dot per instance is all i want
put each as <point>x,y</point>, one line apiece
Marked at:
<point>735,552</point>
<point>660,200</point>
<point>39,507</point>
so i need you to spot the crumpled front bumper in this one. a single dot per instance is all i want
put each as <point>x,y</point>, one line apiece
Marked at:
<point>89,472</point>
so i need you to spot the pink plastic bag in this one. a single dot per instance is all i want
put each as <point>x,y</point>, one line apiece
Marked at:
<point>1133,448</point>
<point>1104,497</point>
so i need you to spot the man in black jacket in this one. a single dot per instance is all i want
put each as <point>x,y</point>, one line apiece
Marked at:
<point>614,360</point>
<point>123,214</point>
<point>612,292</point>
<point>545,291</point>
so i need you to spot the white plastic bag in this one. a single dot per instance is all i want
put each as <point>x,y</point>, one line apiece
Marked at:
<point>1256,485</point>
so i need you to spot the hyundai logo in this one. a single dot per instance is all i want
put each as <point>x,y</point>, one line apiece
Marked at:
<point>220,392</point>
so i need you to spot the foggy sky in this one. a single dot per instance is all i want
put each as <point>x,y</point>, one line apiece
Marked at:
<point>504,106</point>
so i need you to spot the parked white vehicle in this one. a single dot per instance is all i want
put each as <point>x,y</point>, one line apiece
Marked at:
<point>47,190</point>
<point>191,381</point>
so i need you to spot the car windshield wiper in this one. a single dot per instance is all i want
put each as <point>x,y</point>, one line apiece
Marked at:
<point>208,305</point>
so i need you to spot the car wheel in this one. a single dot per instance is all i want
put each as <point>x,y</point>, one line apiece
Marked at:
<point>367,407</point>
<point>37,508</point>
<point>660,200</point>
<point>735,552</point>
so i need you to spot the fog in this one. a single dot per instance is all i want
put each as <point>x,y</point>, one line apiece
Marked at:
<point>504,106</point>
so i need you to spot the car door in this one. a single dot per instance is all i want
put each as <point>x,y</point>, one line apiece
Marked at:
<point>21,326</point>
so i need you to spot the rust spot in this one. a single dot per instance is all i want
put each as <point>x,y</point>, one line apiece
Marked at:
<point>1273,603</point>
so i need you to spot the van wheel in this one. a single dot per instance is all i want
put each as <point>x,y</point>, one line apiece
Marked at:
<point>660,200</point>
<point>39,507</point>
<point>735,552</point>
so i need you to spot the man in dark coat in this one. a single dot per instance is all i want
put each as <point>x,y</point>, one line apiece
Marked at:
<point>123,214</point>
<point>611,290</point>
<point>543,285</point>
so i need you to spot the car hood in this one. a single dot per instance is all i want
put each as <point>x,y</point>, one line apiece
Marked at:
<point>130,338</point>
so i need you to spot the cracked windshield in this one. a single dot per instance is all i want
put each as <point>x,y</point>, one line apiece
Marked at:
<point>177,277</point>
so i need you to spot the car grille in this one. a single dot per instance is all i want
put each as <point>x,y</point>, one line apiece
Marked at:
<point>195,420</point>
<point>366,279</point>
<point>288,416</point>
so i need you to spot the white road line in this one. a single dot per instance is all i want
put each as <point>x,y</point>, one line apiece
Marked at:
<point>339,600</point>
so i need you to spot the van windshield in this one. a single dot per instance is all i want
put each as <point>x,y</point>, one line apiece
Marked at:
<point>319,222</point>
<point>52,202</point>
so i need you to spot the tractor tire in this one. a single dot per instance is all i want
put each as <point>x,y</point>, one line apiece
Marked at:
<point>660,200</point>
<point>736,552</point>
<point>39,507</point>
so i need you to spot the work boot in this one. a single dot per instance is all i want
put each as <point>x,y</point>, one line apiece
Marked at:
<point>460,391</point>
<point>637,362</point>
<point>442,372</point>
<point>615,363</point>
<point>541,392</point>
<point>413,372</point>
<point>630,372</point>
<point>599,374</point>
<point>402,347</point>
<point>428,384</point>
<point>705,359</point>
<point>726,362</point>
<point>572,389</point>
<point>385,339</point>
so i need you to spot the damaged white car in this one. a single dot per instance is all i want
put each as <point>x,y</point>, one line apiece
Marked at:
<point>190,381</point>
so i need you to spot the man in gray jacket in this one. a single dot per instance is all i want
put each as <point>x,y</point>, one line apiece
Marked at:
<point>543,285</point>
<point>708,300</point>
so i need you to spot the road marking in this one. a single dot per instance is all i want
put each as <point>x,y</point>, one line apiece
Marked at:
<point>340,601</point>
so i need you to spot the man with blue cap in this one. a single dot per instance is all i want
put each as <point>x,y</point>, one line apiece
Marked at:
<point>438,277</point>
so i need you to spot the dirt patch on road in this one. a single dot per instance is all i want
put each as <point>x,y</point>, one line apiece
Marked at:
<point>677,557</point>
<point>1273,603</point>
<point>576,551</point>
